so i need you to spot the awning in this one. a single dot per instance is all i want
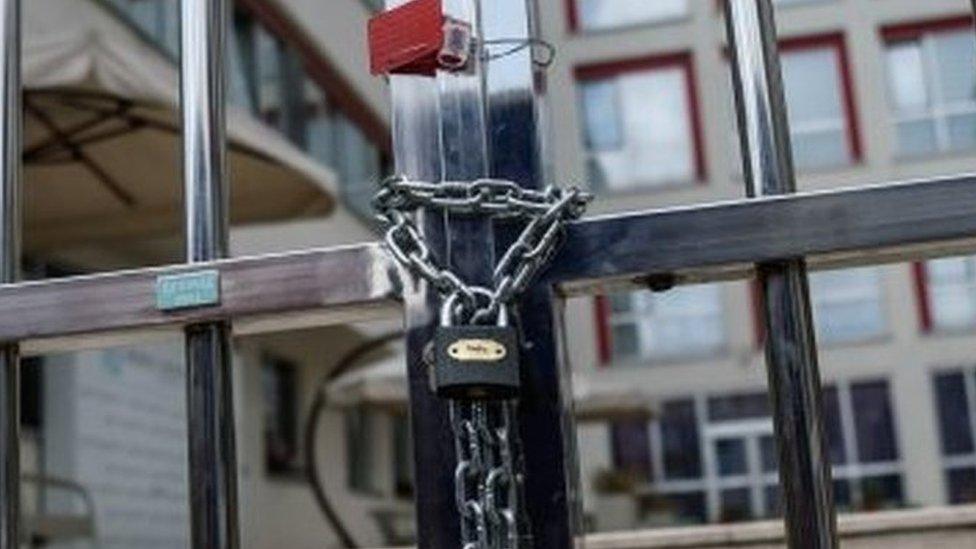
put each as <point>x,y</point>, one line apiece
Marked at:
<point>382,385</point>
<point>102,138</point>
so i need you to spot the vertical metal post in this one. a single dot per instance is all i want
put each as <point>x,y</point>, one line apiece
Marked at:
<point>791,354</point>
<point>462,127</point>
<point>10,225</point>
<point>210,410</point>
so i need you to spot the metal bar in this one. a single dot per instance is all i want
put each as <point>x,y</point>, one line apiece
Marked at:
<point>11,128</point>
<point>843,228</point>
<point>465,127</point>
<point>210,410</point>
<point>791,353</point>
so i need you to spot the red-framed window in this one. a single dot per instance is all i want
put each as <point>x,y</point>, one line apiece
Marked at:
<point>641,122</point>
<point>932,88</point>
<point>946,293</point>
<point>643,328</point>
<point>819,88</point>
<point>595,15</point>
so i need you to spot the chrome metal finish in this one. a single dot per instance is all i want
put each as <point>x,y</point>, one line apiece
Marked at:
<point>10,227</point>
<point>791,354</point>
<point>836,229</point>
<point>210,411</point>
<point>463,128</point>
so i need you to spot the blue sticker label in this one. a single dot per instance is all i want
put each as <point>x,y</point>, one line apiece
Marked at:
<point>184,291</point>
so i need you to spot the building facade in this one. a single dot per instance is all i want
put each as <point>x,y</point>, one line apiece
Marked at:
<point>877,92</point>
<point>640,109</point>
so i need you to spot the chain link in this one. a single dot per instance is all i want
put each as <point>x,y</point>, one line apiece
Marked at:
<point>548,210</point>
<point>488,478</point>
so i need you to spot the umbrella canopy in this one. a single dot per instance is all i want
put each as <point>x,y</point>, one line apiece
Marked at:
<point>382,385</point>
<point>102,137</point>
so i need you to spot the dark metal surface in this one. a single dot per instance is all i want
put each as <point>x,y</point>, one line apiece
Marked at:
<point>464,128</point>
<point>210,399</point>
<point>10,229</point>
<point>848,227</point>
<point>791,353</point>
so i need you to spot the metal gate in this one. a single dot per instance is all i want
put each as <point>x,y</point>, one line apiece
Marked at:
<point>487,123</point>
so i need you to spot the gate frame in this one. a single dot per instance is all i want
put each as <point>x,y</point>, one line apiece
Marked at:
<point>692,244</point>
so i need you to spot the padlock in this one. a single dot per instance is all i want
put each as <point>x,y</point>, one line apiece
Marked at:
<point>475,362</point>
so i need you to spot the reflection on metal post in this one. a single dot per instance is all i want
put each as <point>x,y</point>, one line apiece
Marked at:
<point>462,127</point>
<point>10,226</point>
<point>791,354</point>
<point>210,410</point>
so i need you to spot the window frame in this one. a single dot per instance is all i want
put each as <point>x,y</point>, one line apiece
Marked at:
<point>852,471</point>
<point>950,463</point>
<point>921,31</point>
<point>925,305</point>
<point>613,68</point>
<point>574,23</point>
<point>606,321</point>
<point>837,42</point>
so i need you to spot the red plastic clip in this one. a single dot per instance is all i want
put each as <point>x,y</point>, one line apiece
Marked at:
<point>417,38</point>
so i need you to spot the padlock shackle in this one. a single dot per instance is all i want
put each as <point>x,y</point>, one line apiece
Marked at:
<point>449,307</point>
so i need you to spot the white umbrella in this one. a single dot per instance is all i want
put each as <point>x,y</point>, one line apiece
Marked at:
<point>102,138</point>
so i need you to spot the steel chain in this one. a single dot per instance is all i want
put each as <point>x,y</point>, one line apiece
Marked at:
<point>488,478</point>
<point>548,210</point>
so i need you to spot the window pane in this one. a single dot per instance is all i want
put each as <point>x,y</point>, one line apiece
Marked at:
<point>679,431</point>
<point>847,305</point>
<point>685,321</point>
<point>873,422</point>
<point>962,131</point>
<point>917,138</point>
<point>653,144</point>
<point>909,90</point>
<point>955,59</point>
<point>631,446</point>
<point>730,453</point>
<point>815,102</point>
<point>842,495</point>
<point>774,501</point>
<point>883,492</point>
<point>833,427</point>
<point>602,116</point>
<point>955,423</point>
<point>769,454</point>
<point>820,149</point>
<point>736,505</point>
<point>625,341</point>
<point>601,14</point>
<point>359,450</point>
<point>961,485</point>
<point>952,292</point>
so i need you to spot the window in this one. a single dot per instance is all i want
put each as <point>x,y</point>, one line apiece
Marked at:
<point>279,387</point>
<point>932,87</point>
<point>639,122</point>
<point>816,84</point>
<point>715,458</point>
<point>360,434</point>
<point>682,322</point>
<point>403,478</point>
<point>955,394</point>
<point>607,14</point>
<point>949,287</point>
<point>158,19</point>
<point>847,305</point>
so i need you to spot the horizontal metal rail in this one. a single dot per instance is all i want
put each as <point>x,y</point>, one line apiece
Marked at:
<point>260,294</point>
<point>842,228</point>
